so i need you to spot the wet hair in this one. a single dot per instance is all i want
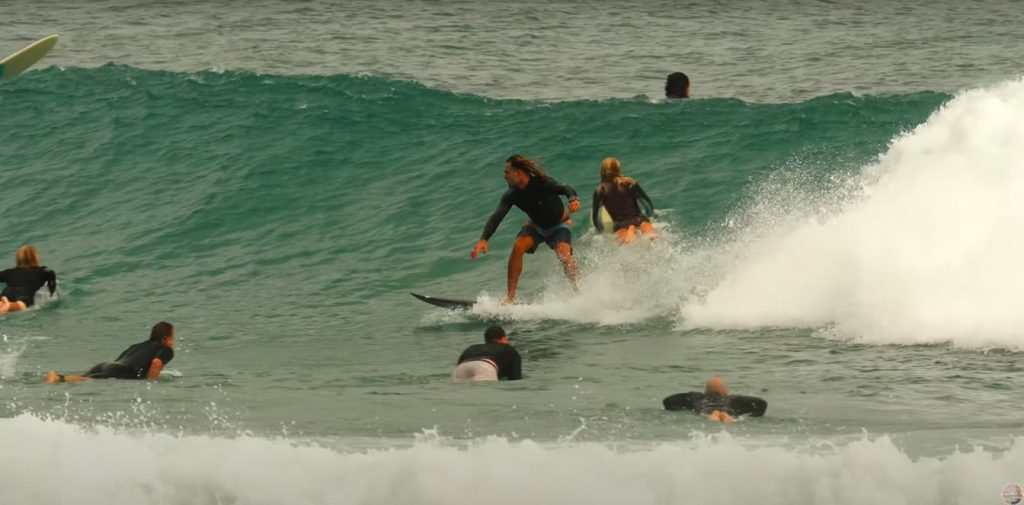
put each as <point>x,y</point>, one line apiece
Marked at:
<point>675,85</point>
<point>494,333</point>
<point>27,257</point>
<point>611,173</point>
<point>528,165</point>
<point>161,330</point>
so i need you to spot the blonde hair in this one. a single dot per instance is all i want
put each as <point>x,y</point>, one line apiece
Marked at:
<point>27,257</point>
<point>611,173</point>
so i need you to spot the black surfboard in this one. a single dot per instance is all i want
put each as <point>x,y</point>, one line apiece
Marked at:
<point>448,303</point>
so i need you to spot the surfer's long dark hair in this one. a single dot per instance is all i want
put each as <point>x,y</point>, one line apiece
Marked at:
<point>528,165</point>
<point>161,330</point>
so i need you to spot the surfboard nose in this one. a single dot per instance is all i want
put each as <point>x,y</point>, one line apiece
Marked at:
<point>20,61</point>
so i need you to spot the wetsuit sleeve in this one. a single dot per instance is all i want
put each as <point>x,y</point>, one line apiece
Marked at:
<point>3,275</point>
<point>165,355</point>
<point>595,213</point>
<point>682,401</point>
<point>51,279</point>
<point>515,366</point>
<point>748,405</point>
<point>492,222</point>
<point>553,186</point>
<point>123,354</point>
<point>643,201</point>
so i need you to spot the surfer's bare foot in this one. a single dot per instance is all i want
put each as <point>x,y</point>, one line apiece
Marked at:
<point>5,305</point>
<point>52,377</point>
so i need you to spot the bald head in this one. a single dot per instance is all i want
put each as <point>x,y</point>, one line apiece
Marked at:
<point>717,386</point>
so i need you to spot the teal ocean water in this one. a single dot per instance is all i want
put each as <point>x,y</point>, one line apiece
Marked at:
<point>847,253</point>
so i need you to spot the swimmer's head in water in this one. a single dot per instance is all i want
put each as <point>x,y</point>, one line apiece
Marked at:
<point>677,85</point>
<point>716,386</point>
<point>496,334</point>
<point>27,257</point>
<point>162,332</point>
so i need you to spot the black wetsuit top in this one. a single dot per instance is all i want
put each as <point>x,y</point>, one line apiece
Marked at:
<point>623,205</point>
<point>22,283</point>
<point>539,199</point>
<point>734,405</point>
<point>134,362</point>
<point>504,355</point>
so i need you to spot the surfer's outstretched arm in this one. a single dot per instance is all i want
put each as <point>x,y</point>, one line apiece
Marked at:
<point>499,214</point>
<point>643,201</point>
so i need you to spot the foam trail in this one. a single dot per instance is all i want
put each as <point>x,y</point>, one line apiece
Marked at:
<point>9,358</point>
<point>619,284</point>
<point>111,468</point>
<point>929,250</point>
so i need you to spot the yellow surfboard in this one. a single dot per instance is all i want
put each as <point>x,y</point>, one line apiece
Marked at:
<point>21,60</point>
<point>606,220</point>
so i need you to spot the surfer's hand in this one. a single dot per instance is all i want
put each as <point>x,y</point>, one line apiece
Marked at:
<point>574,205</point>
<point>480,247</point>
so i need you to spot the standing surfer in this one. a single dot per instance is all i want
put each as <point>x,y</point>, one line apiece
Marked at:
<point>539,196</point>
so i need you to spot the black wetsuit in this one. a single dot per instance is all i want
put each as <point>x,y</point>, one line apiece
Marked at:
<point>134,362</point>
<point>623,205</point>
<point>22,283</point>
<point>540,201</point>
<point>503,355</point>
<point>734,405</point>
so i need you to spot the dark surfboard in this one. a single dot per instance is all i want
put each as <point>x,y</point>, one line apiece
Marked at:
<point>448,303</point>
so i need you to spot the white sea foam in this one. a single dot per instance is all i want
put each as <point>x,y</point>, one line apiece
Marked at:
<point>928,248</point>
<point>54,462</point>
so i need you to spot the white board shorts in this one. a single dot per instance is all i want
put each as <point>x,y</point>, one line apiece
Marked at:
<point>474,371</point>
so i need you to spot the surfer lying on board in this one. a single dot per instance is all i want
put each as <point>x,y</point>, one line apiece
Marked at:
<point>24,280</point>
<point>623,198</point>
<point>716,403</point>
<point>493,360</point>
<point>144,360</point>
<point>538,195</point>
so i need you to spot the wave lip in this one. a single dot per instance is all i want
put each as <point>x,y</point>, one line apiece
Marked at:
<point>925,252</point>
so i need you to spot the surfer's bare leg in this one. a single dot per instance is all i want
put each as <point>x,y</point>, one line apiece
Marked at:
<point>564,253</point>
<point>16,306</point>
<point>648,230</point>
<point>9,306</point>
<point>515,265</point>
<point>626,235</point>
<point>54,377</point>
<point>720,416</point>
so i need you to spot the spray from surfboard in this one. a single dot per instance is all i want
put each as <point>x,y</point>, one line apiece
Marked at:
<point>922,246</point>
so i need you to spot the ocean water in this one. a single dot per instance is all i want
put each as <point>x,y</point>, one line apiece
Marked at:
<point>274,178</point>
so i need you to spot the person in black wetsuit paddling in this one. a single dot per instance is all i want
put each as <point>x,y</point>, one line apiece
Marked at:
<point>716,403</point>
<point>24,280</point>
<point>623,198</point>
<point>493,360</point>
<point>144,360</point>
<point>538,195</point>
